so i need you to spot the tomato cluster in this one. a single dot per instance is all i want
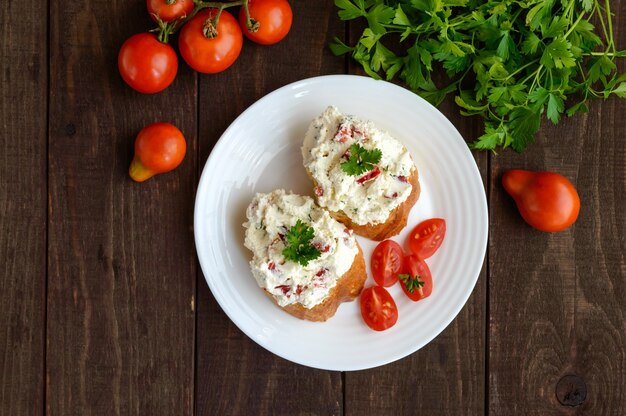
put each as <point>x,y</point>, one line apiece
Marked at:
<point>210,38</point>
<point>390,264</point>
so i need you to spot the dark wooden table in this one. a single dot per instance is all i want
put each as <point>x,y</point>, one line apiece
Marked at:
<point>104,309</point>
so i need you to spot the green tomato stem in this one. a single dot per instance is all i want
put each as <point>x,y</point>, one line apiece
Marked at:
<point>173,27</point>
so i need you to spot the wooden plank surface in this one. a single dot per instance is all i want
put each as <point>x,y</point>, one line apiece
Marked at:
<point>98,275</point>
<point>558,301</point>
<point>23,185</point>
<point>235,375</point>
<point>122,268</point>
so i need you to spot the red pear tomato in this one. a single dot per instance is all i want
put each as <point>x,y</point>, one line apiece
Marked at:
<point>417,282</point>
<point>546,200</point>
<point>147,65</point>
<point>159,148</point>
<point>426,237</point>
<point>378,308</point>
<point>387,262</point>
<point>274,18</point>
<point>210,49</point>
<point>169,10</point>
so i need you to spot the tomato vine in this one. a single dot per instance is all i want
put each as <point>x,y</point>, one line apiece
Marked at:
<point>165,29</point>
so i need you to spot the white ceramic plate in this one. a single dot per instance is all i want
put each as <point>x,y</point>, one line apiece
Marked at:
<point>260,151</point>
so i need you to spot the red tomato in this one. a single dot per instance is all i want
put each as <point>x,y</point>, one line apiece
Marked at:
<point>274,19</point>
<point>426,237</point>
<point>146,64</point>
<point>417,283</point>
<point>210,55</point>
<point>378,308</point>
<point>387,262</point>
<point>547,201</point>
<point>169,10</point>
<point>159,148</point>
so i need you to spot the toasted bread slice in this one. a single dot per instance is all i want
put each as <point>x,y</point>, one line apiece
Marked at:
<point>396,221</point>
<point>362,175</point>
<point>348,287</point>
<point>306,261</point>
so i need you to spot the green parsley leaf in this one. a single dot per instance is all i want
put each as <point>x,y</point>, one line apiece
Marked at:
<point>337,47</point>
<point>349,10</point>
<point>524,124</point>
<point>531,44</point>
<point>361,160</point>
<point>620,91</point>
<point>379,16</point>
<point>555,107</point>
<point>411,283</point>
<point>298,247</point>
<point>580,107</point>
<point>558,54</point>
<point>401,17</point>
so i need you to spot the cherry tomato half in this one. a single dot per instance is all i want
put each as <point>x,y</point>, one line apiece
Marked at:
<point>274,18</point>
<point>147,65</point>
<point>417,283</point>
<point>207,54</point>
<point>546,200</point>
<point>378,308</point>
<point>426,237</point>
<point>387,262</point>
<point>169,11</point>
<point>159,148</point>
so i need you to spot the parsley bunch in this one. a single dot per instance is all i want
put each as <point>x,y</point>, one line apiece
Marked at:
<point>360,160</point>
<point>298,247</point>
<point>508,61</point>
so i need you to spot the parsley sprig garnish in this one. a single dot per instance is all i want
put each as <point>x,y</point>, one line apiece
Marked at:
<point>509,62</point>
<point>298,247</point>
<point>411,283</point>
<point>361,160</point>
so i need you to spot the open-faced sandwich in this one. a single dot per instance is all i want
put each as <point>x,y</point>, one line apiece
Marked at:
<point>362,175</point>
<point>303,259</point>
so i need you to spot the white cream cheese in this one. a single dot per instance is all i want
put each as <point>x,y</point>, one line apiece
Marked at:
<point>270,217</point>
<point>326,142</point>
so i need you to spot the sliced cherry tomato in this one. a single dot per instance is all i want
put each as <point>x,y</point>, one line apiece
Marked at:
<point>147,65</point>
<point>417,282</point>
<point>387,262</point>
<point>426,237</point>
<point>547,201</point>
<point>169,10</point>
<point>159,148</point>
<point>207,48</point>
<point>273,17</point>
<point>378,308</point>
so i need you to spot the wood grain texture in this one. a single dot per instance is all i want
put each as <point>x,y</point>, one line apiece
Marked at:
<point>558,301</point>
<point>23,111</point>
<point>122,269</point>
<point>235,376</point>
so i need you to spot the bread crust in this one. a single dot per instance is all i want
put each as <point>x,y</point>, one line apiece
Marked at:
<point>348,287</point>
<point>396,221</point>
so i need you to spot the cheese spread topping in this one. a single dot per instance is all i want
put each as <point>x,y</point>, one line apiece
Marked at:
<point>367,198</point>
<point>270,217</point>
